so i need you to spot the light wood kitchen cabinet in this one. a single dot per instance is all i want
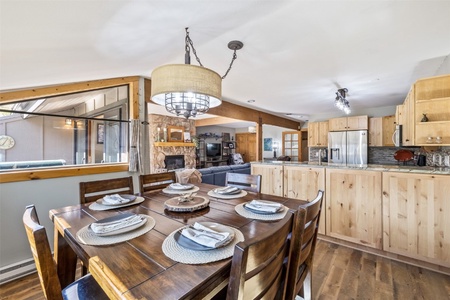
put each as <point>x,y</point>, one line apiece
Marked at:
<point>272,178</point>
<point>318,134</point>
<point>381,130</point>
<point>408,119</point>
<point>399,117</point>
<point>416,210</point>
<point>303,183</point>
<point>432,97</point>
<point>354,206</point>
<point>348,123</point>
<point>292,144</point>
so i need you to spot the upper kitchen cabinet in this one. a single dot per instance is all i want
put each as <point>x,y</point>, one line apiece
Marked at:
<point>318,134</point>
<point>432,99</point>
<point>381,130</point>
<point>349,123</point>
<point>406,119</point>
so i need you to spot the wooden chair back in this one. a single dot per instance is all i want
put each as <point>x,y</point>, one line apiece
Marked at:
<point>304,240</point>
<point>42,254</point>
<point>84,288</point>
<point>156,181</point>
<point>251,183</point>
<point>91,191</point>
<point>257,269</point>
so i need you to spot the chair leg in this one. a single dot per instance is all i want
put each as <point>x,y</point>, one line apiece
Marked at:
<point>84,270</point>
<point>306,290</point>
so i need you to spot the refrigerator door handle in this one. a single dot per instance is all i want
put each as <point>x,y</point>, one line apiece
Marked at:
<point>332,152</point>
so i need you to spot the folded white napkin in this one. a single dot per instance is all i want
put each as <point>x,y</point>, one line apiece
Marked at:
<point>272,207</point>
<point>115,199</point>
<point>179,186</point>
<point>206,236</point>
<point>226,190</point>
<point>115,225</point>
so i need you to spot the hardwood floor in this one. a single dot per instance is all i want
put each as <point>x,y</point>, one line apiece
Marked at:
<point>339,273</point>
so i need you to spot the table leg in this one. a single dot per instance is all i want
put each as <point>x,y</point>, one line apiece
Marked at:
<point>66,259</point>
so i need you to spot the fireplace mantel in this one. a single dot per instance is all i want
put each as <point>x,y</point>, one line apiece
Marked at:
<point>173,144</point>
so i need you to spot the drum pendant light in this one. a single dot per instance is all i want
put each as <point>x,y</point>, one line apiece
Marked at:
<point>189,90</point>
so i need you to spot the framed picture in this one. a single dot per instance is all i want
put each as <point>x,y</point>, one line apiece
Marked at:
<point>268,144</point>
<point>175,134</point>
<point>225,136</point>
<point>187,137</point>
<point>100,133</point>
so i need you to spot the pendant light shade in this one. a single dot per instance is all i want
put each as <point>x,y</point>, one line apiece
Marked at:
<point>186,88</point>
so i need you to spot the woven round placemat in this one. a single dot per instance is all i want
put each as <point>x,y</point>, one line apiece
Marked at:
<point>87,237</point>
<point>240,209</point>
<point>97,206</point>
<point>224,197</point>
<point>168,190</point>
<point>197,203</point>
<point>186,256</point>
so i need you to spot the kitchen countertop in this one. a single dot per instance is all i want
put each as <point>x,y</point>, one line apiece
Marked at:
<point>369,167</point>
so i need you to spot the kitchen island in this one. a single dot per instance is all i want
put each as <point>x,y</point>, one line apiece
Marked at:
<point>395,211</point>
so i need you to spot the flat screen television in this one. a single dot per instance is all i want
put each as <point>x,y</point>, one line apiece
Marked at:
<point>213,149</point>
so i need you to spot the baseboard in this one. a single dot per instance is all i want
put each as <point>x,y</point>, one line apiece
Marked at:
<point>17,270</point>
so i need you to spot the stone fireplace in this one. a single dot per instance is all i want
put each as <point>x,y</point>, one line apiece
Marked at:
<point>158,154</point>
<point>174,162</point>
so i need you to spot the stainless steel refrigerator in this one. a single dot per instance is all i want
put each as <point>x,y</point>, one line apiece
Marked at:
<point>347,148</point>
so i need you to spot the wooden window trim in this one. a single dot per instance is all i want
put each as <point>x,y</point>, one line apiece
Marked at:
<point>34,174</point>
<point>62,89</point>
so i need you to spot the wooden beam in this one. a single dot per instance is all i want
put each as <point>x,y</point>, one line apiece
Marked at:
<point>61,89</point>
<point>215,121</point>
<point>242,113</point>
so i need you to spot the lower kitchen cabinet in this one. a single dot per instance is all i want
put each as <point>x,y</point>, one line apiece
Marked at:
<point>303,183</point>
<point>416,216</point>
<point>272,178</point>
<point>353,199</point>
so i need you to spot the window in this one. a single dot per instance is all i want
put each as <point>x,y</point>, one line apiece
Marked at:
<point>84,128</point>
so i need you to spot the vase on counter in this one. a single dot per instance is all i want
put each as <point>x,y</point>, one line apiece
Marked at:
<point>424,118</point>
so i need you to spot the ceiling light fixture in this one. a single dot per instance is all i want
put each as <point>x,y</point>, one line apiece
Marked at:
<point>186,89</point>
<point>341,102</point>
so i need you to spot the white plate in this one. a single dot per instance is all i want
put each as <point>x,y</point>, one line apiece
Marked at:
<point>121,230</point>
<point>130,198</point>
<point>179,186</point>
<point>190,244</point>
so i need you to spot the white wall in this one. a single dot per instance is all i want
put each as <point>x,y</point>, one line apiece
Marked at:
<point>45,194</point>
<point>274,132</point>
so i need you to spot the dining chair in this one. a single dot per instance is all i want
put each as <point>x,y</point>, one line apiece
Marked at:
<point>91,191</point>
<point>257,269</point>
<point>84,288</point>
<point>155,181</point>
<point>304,240</point>
<point>248,182</point>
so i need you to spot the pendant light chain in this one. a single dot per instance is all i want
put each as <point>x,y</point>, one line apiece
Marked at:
<point>231,64</point>
<point>190,44</point>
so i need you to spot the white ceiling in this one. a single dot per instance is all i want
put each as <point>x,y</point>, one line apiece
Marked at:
<point>296,53</point>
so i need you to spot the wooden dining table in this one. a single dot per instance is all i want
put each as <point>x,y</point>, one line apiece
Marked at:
<point>138,268</point>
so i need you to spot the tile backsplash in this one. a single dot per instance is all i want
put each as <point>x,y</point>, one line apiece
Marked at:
<point>380,155</point>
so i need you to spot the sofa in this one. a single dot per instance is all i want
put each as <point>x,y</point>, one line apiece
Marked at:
<point>216,175</point>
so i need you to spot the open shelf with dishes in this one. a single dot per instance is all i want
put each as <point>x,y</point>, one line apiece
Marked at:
<point>432,111</point>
